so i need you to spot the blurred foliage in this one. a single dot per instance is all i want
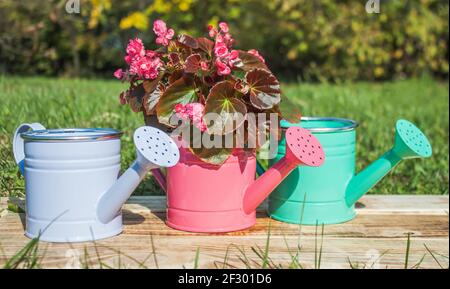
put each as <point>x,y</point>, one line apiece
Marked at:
<point>311,40</point>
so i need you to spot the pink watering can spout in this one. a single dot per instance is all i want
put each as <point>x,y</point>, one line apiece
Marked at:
<point>302,148</point>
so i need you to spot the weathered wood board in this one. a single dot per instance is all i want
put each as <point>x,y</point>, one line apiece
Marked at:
<point>377,238</point>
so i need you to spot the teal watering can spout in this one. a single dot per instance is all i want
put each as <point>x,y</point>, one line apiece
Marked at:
<point>410,142</point>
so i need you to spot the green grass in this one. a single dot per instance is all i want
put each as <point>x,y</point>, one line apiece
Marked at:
<point>59,103</point>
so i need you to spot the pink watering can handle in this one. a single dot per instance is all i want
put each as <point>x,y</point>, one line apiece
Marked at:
<point>302,148</point>
<point>267,183</point>
<point>160,179</point>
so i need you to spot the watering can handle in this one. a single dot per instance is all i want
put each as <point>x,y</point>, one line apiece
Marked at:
<point>160,179</point>
<point>18,145</point>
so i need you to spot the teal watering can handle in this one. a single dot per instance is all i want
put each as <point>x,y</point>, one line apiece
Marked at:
<point>259,168</point>
<point>370,176</point>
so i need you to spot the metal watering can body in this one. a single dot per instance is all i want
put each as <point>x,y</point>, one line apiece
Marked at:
<point>207,198</point>
<point>327,194</point>
<point>73,193</point>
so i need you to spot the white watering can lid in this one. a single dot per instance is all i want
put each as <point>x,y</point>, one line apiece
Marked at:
<point>71,134</point>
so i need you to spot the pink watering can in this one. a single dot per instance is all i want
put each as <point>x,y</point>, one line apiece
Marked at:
<point>206,198</point>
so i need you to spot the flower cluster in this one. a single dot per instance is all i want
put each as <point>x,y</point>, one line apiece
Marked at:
<point>162,32</point>
<point>194,112</point>
<point>144,64</point>
<point>226,59</point>
<point>194,77</point>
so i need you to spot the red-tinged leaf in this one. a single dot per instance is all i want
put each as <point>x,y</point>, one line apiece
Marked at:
<point>181,91</point>
<point>192,64</point>
<point>188,41</point>
<point>135,97</point>
<point>223,100</point>
<point>174,59</point>
<point>151,85</point>
<point>151,99</point>
<point>214,156</point>
<point>182,50</point>
<point>264,87</point>
<point>290,111</point>
<point>175,75</point>
<point>250,62</point>
<point>205,44</point>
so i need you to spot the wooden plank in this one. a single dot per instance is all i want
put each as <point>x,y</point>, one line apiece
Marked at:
<point>382,232</point>
<point>177,251</point>
<point>369,204</point>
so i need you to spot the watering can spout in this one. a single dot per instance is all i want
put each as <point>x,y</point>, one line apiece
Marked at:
<point>154,149</point>
<point>112,200</point>
<point>370,176</point>
<point>410,142</point>
<point>302,148</point>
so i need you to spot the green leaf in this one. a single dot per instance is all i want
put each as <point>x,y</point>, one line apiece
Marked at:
<point>223,100</point>
<point>239,74</point>
<point>250,62</point>
<point>181,91</point>
<point>264,87</point>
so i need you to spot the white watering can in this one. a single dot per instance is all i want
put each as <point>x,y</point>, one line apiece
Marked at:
<point>71,185</point>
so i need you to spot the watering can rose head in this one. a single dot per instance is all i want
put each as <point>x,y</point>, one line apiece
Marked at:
<point>205,83</point>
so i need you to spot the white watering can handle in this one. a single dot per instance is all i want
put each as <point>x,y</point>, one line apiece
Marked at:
<point>18,146</point>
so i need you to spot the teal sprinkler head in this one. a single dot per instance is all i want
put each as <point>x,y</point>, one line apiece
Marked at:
<point>410,142</point>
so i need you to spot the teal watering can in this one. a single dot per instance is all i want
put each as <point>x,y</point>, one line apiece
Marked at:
<point>327,194</point>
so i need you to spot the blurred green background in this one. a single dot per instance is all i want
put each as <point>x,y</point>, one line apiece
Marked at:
<point>301,39</point>
<point>334,60</point>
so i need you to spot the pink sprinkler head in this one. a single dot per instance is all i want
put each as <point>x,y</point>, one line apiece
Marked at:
<point>302,148</point>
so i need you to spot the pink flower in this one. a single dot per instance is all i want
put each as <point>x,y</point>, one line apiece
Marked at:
<point>212,31</point>
<point>180,110</point>
<point>145,67</point>
<point>222,68</point>
<point>256,53</point>
<point>118,74</point>
<point>234,54</point>
<point>204,65</point>
<point>151,53</point>
<point>128,59</point>
<point>135,48</point>
<point>143,63</point>
<point>163,34</point>
<point>221,50</point>
<point>193,112</point>
<point>224,27</point>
